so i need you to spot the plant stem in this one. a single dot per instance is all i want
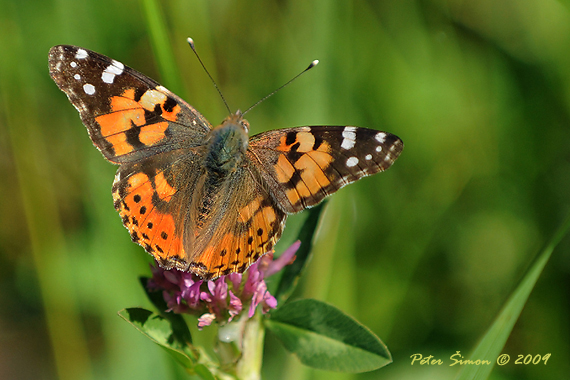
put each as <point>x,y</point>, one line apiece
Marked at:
<point>249,365</point>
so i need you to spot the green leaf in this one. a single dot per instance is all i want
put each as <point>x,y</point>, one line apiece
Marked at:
<point>492,343</point>
<point>323,337</point>
<point>292,272</point>
<point>160,331</point>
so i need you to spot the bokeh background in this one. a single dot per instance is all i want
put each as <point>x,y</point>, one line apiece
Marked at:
<point>424,254</point>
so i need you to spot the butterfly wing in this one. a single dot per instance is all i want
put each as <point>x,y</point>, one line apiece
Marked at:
<point>128,115</point>
<point>153,196</point>
<point>303,165</point>
<point>243,225</point>
<point>155,136</point>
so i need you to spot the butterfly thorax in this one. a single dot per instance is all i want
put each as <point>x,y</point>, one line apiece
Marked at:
<point>227,144</point>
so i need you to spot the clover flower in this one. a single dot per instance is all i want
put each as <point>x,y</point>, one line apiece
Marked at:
<point>226,297</point>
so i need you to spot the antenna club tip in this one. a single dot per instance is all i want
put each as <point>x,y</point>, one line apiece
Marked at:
<point>313,64</point>
<point>191,42</point>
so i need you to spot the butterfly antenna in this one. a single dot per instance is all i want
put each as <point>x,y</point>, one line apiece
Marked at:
<point>191,43</point>
<point>313,64</point>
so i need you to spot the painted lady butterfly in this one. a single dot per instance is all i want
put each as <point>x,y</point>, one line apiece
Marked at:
<point>201,199</point>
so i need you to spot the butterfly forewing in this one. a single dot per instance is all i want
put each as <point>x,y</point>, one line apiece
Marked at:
<point>303,165</point>
<point>125,112</point>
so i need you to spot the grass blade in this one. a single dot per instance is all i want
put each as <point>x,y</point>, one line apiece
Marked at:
<point>490,346</point>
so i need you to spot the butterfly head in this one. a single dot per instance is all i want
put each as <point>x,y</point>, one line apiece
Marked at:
<point>227,144</point>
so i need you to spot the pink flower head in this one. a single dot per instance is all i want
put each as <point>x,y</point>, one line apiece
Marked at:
<point>226,297</point>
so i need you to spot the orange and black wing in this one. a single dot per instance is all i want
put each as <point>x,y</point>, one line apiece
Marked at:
<point>304,165</point>
<point>128,115</point>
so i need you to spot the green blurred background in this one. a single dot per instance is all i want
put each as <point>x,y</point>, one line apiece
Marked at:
<point>425,254</point>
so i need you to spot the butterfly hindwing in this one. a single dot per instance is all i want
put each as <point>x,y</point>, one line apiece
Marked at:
<point>303,165</point>
<point>152,197</point>
<point>232,226</point>
<point>128,115</point>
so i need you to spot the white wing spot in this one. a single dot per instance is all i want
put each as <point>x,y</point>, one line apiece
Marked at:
<point>81,54</point>
<point>58,66</point>
<point>352,161</point>
<point>77,77</point>
<point>388,158</point>
<point>380,137</point>
<point>115,68</point>
<point>89,89</point>
<point>379,148</point>
<point>108,77</point>
<point>73,64</point>
<point>349,138</point>
<point>368,156</point>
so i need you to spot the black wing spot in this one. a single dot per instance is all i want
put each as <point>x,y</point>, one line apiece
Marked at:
<point>137,198</point>
<point>291,138</point>
<point>139,92</point>
<point>242,268</point>
<point>150,225</point>
<point>250,240</point>
<point>132,135</point>
<point>295,146</point>
<point>164,235</point>
<point>223,253</point>
<point>143,210</point>
<point>169,104</point>
<point>260,232</point>
<point>318,142</point>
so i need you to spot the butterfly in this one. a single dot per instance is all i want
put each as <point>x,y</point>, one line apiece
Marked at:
<point>204,199</point>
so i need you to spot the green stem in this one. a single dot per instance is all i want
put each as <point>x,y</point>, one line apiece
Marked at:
<point>241,355</point>
<point>249,365</point>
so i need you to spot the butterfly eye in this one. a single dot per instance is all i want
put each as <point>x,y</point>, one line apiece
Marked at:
<point>245,125</point>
